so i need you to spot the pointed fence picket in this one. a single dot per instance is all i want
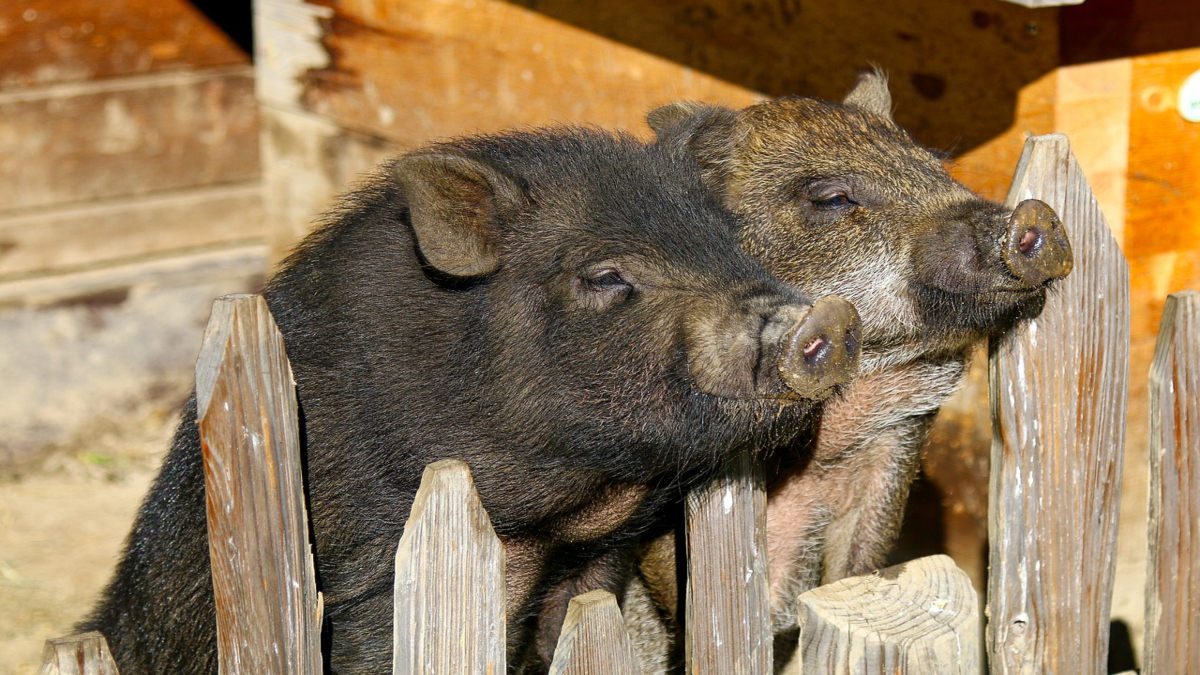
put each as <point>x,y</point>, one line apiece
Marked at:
<point>1173,563</point>
<point>1059,388</point>
<point>1058,397</point>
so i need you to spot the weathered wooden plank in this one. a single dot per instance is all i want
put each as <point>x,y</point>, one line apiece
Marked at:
<point>127,136</point>
<point>728,615</point>
<point>71,40</point>
<point>268,609</point>
<point>1059,388</point>
<point>449,593</point>
<point>417,70</point>
<point>83,654</point>
<point>1173,579</point>
<point>593,640</point>
<point>919,617</point>
<point>111,232</point>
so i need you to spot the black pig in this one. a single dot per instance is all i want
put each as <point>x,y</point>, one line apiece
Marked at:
<point>568,312</point>
<point>835,198</point>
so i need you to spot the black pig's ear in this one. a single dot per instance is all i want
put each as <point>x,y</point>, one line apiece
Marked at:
<point>456,205</point>
<point>871,93</point>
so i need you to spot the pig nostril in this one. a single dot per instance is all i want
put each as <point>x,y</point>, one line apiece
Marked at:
<point>1029,241</point>
<point>814,348</point>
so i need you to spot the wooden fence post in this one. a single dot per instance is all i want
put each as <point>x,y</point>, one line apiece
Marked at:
<point>82,654</point>
<point>449,594</point>
<point>728,615</point>
<point>1173,566</point>
<point>919,617</point>
<point>1059,387</point>
<point>593,640</point>
<point>268,609</point>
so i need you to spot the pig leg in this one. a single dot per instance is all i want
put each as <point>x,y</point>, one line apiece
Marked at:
<point>838,513</point>
<point>862,532</point>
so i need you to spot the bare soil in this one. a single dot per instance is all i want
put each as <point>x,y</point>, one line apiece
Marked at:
<point>62,525</point>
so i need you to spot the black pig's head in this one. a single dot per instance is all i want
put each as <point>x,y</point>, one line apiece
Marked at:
<point>836,198</point>
<point>609,306</point>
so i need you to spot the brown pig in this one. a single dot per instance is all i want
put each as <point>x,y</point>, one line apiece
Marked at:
<point>835,198</point>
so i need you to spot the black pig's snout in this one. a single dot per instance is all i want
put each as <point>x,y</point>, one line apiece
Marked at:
<point>821,351</point>
<point>1036,246</point>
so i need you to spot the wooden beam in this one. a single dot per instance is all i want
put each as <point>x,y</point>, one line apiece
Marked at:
<point>268,608</point>
<point>122,230</point>
<point>1173,580</point>
<point>414,71</point>
<point>1059,387</point>
<point>78,142</point>
<point>75,40</point>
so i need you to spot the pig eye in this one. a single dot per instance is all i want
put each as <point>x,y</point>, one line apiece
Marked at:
<point>606,279</point>
<point>834,201</point>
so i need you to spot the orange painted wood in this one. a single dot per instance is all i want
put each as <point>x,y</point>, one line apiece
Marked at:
<point>1059,387</point>
<point>268,608</point>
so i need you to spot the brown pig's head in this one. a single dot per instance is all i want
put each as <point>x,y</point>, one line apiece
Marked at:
<point>835,198</point>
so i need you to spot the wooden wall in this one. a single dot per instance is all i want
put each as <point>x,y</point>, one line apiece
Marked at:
<point>128,130</point>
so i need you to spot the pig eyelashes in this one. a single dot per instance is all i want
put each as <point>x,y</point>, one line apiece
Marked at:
<point>603,287</point>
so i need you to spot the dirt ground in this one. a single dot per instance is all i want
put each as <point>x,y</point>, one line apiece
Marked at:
<point>62,525</point>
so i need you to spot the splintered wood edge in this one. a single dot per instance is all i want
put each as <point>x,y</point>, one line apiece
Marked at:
<point>449,482</point>
<point>1174,498</point>
<point>594,638</point>
<point>216,343</point>
<point>84,653</point>
<point>923,608</point>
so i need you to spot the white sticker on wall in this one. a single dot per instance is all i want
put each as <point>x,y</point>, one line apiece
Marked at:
<point>1189,98</point>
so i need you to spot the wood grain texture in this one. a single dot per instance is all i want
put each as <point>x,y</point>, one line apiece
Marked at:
<point>122,230</point>
<point>82,654</point>
<point>1173,579</point>
<point>127,136</point>
<point>916,618</point>
<point>54,41</point>
<point>268,609</point>
<point>449,590</point>
<point>1059,387</point>
<point>416,70</point>
<point>593,640</point>
<point>728,614</point>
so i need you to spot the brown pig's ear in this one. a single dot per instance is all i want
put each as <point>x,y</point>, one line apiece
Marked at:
<point>672,118</point>
<point>456,205</point>
<point>871,93</point>
<point>708,133</point>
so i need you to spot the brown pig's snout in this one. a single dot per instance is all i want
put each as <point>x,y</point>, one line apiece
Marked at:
<point>820,351</point>
<point>1036,246</point>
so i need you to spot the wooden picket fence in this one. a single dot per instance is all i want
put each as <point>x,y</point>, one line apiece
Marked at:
<point>1058,391</point>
